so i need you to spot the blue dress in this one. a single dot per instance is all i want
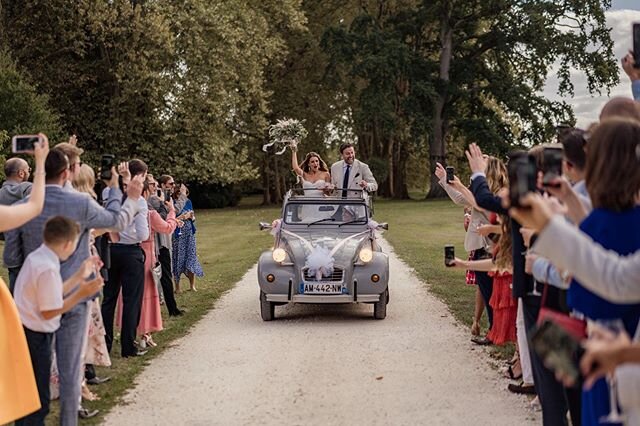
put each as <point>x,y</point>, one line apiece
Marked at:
<point>620,232</point>
<point>185,258</point>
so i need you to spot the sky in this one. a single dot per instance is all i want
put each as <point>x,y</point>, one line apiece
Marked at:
<point>585,106</point>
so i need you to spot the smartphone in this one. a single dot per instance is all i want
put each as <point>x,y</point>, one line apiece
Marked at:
<point>449,255</point>
<point>158,193</point>
<point>24,143</point>
<point>558,349</point>
<point>106,163</point>
<point>636,45</point>
<point>522,177</point>
<point>167,194</point>
<point>450,173</point>
<point>552,163</point>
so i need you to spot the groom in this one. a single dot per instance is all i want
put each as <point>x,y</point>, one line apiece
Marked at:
<point>351,173</point>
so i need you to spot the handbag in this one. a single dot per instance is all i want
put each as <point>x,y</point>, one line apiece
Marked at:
<point>574,326</point>
<point>156,271</point>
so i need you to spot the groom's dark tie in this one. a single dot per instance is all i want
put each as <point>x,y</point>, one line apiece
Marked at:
<point>345,181</point>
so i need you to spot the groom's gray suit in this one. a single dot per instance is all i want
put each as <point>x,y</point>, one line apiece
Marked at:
<point>359,171</point>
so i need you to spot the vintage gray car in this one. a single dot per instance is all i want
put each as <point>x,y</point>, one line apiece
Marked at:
<point>325,251</point>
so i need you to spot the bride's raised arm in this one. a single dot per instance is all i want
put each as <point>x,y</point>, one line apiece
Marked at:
<point>294,162</point>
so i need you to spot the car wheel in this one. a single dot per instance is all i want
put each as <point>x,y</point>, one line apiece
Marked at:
<point>267,309</point>
<point>380,307</point>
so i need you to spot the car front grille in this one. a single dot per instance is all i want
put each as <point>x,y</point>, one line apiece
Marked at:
<point>336,276</point>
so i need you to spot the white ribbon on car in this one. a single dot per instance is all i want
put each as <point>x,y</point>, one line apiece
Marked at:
<point>320,260</point>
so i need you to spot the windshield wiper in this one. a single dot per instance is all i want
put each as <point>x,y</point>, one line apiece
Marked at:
<point>332,219</point>
<point>352,221</point>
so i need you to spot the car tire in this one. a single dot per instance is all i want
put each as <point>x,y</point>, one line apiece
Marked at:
<point>267,309</point>
<point>380,307</point>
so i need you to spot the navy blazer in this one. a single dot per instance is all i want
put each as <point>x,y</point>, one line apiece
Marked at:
<point>522,282</point>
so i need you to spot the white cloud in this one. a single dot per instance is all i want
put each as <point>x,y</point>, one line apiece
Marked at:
<point>585,106</point>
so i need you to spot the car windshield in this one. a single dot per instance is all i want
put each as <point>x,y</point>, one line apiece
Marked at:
<point>325,213</point>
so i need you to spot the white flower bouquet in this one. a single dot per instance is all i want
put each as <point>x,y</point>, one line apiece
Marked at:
<point>287,132</point>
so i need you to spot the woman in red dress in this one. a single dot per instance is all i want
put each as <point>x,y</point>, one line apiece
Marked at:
<point>504,306</point>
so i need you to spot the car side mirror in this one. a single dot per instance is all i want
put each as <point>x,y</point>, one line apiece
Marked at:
<point>265,225</point>
<point>384,225</point>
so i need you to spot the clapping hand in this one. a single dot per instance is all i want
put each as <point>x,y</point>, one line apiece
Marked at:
<point>89,288</point>
<point>89,266</point>
<point>73,140</point>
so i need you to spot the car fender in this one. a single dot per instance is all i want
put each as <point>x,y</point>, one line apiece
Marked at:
<point>283,273</point>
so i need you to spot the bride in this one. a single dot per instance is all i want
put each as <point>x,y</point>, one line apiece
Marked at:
<point>316,181</point>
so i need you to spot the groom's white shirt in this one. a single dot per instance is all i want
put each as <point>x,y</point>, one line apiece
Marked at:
<point>359,171</point>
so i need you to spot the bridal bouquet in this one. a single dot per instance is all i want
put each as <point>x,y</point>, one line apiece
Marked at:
<point>287,132</point>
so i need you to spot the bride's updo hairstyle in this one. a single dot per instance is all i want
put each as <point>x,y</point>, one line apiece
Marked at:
<point>305,164</point>
<point>496,172</point>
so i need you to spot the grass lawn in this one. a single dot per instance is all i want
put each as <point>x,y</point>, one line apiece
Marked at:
<point>229,243</point>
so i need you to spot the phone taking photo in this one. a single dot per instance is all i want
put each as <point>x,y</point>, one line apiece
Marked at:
<point>449,255</point>
<point>552,163</point>
<point>167,194</point>
<point>450,174</point>
<point>522,177</point>
<point>558,349</point>
<point>24,144</point>
<point>106,164</point>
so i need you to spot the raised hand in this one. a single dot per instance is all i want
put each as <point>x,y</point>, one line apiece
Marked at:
<point>123,170</point>
<point>73,140</point>
<point>628,65</point>
<point>477,161</point>
<point>440,171</point>
<point>134,189</point>
<point>40,151</point>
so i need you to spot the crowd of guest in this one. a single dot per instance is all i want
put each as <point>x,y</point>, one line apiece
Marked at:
<point>550,255</point>
<point>85,257</point>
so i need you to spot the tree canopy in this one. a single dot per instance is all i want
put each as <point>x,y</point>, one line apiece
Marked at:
<point>190,86</point>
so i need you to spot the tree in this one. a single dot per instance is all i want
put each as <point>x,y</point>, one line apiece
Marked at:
<point>420,71</point>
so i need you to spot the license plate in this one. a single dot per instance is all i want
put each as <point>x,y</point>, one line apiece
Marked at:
<point>322,288</point>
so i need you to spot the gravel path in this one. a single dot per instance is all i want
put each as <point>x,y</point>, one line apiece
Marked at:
<point>324,365</point>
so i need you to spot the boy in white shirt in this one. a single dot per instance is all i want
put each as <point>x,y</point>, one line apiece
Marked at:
<point>39,296</point>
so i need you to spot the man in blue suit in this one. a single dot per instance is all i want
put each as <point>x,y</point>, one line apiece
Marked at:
<point>59,201</point>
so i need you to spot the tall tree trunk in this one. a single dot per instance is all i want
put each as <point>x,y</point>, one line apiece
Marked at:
<point>399,171</point>
<point>391,188</point>
<point>266,194</point>
<point>277,190</point>
<point>437,151</point>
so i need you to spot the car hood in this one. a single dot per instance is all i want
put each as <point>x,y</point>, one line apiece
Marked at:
<point>346,252</point>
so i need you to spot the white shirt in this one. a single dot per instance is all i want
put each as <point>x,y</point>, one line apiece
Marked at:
<point>39,288</point>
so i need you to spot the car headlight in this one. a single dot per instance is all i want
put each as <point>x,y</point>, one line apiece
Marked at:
<point>279,255</point>
<point>365,255</point>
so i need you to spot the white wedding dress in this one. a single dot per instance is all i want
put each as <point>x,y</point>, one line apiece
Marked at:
<point>313,189</point>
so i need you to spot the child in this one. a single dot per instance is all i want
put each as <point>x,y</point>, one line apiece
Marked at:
<point>39,298</point>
